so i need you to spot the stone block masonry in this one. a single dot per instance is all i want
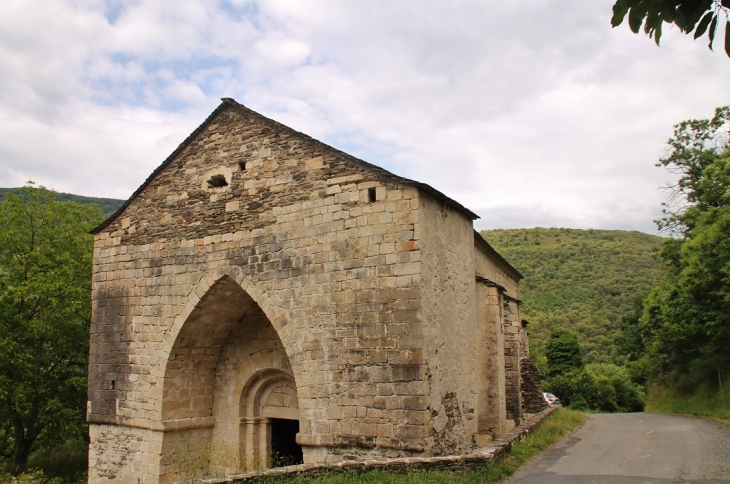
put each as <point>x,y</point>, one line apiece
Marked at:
<point>263,296</point>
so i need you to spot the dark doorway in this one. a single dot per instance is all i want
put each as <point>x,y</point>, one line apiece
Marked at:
<point>284,448</point>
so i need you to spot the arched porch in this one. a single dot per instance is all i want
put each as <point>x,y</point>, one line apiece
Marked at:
<point>228,383</point>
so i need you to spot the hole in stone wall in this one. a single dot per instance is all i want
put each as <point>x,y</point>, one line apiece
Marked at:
<point>112,385</point>
<point>242,165</point>
<point>217,181</point>
<point>284,448</point>
<point>372,195</point>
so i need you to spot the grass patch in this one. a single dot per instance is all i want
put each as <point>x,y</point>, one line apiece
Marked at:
<point>559,424</point>
<point>706,402</point>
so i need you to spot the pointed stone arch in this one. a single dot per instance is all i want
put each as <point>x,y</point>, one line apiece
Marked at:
<point>208,284</point>
<point>222,340</point>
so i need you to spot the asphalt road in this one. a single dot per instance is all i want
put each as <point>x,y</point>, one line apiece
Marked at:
<point>635,448</point>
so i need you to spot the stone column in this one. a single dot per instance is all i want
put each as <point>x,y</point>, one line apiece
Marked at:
<point>489,364</point>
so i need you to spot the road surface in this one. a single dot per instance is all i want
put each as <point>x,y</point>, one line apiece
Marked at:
<point>635,448</point>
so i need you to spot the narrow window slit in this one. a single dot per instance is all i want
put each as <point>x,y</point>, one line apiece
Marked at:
<point>217,181</point>
<point>372,195</point>
<point>242,165</point>
<point>112,385</point>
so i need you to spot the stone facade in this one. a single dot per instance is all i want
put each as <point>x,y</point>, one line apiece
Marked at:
<point>264,298</point>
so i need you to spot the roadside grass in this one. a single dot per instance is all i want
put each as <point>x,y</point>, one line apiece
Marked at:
<point>62,467</point>
<point>707,402</point>
<point>559,424</point>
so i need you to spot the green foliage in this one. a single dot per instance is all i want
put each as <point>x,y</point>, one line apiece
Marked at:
<point>108,205</point>
<point>600,386</point>
<point>45,278</point>
<point>704,401</point>
<point>699,16</point>
<point>563,352</point>
<point>69,463</point>
<point>32,476</point>
<point>685,327</point>
<point>580,280</point>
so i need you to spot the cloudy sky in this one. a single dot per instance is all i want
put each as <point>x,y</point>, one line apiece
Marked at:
<point>531,113</point>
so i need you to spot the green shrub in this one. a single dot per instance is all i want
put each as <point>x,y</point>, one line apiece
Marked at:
<point>67,463</point>
<point>708,401</point>
<point>31,476</point>
<point>563,352</point>
<point>600,386</point>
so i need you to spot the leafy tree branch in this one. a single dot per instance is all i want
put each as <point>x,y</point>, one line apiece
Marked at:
<point>698,17</point>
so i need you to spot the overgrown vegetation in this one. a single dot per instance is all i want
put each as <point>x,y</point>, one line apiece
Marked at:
<point>705,401</point>
<point>580,280</point>
<point>597,386</point>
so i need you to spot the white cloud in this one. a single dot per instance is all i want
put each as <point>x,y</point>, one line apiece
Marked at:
<point>530,113</point>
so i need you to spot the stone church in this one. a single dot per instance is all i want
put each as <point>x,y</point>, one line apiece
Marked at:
<point>264,299</point>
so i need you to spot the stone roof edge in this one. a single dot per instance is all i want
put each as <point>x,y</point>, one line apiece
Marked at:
<point>482,242</point>
<point>229,102</point>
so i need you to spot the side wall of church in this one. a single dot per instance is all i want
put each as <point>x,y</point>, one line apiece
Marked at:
<point>497,365</point>
<point>447,255</point>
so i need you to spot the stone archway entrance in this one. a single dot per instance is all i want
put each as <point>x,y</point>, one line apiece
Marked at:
<point>269,421</point>
<point>228,384</point>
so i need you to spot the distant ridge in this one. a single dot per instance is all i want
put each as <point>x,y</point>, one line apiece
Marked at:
<point>108,205</point>
<point>580,280</point>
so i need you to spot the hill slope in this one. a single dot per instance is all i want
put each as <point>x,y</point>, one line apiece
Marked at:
<point>108,205</point>
<point>582,280</point>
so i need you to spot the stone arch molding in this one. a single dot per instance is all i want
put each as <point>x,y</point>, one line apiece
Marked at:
<point>256,391</point>
<point>270,305</point>
<point>256,409</point>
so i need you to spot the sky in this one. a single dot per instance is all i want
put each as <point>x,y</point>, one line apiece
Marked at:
<point>530,113</point>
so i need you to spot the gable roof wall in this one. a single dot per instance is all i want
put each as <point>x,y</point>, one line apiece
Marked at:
<point>228,103</point>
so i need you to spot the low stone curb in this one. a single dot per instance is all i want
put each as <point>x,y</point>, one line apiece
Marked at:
<point>494,450</point>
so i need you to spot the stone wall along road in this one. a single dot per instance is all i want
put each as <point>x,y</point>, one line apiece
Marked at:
<point>635,448</point>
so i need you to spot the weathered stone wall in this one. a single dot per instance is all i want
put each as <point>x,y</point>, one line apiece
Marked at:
<point>122,454</point>
<point>511,328</point>
<point>447,251</point>
<point>524,340</point>
<point>532,399</point>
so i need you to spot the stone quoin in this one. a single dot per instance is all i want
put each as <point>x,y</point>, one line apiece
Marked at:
<point>264,299</point>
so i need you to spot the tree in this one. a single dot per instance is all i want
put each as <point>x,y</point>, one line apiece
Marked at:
<point>686,322</point>
<point>598,386</point>
<point>45,281</point>
<point>563,352</point>
<point>696,144</point>
<point>698,16</point>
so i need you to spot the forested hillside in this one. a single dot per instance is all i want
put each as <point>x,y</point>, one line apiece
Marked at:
<point>580,280</point>
<point>108,205</point>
